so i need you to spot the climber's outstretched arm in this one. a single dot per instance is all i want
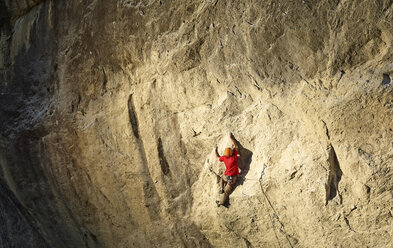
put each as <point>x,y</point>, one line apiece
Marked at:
<point>233,140</point>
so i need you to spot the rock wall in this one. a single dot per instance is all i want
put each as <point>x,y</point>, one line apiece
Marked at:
<point>110,110</point>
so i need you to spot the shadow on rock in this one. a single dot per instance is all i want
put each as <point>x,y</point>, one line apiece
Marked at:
<point>244,161</point>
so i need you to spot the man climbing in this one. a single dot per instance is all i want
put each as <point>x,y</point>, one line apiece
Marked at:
<point>228,180</point>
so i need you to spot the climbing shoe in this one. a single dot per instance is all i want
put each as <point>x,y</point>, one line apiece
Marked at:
<point>222,191</point>
<point>225,205</point>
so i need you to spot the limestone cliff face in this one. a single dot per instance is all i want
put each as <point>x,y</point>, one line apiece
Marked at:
<point>109,111</point>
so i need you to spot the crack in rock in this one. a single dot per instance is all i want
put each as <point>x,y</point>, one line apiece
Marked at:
<point>163,162</point>
<point>334,177</point>
<point>133,118</point>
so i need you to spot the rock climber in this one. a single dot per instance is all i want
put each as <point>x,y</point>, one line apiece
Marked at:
<point>228,180</point>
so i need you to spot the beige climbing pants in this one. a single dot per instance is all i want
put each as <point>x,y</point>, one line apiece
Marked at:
<point>228,187</point>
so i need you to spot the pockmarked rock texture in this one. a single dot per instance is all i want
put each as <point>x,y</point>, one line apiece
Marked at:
<point>109,111</point>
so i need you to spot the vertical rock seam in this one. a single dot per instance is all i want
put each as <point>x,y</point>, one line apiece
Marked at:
<point>133,119</point>
<point>163,162</point>
<point>149,190</point>
<point>334,177</point>
<point>104,82</point>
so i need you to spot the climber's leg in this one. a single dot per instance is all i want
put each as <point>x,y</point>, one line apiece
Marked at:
<point>222,184</point>
<point>228,189</point>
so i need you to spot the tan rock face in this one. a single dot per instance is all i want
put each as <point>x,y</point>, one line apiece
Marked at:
<point>110,110</point>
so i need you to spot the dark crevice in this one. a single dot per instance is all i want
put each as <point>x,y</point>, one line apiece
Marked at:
<point>163,162</point>
<point>386,79</point>
<point>104,82</point>
<point>151,199</point>
<point>195,133</point>
<point>348,224</point>
<point>326,129</point>
<point>4,16</point>
<point>133,119</point>
<point>334,177</point>
<point>341,75</point>
<point>233,94</point>
<point>248,243</point>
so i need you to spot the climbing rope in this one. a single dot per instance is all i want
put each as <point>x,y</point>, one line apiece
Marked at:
<point>273,217</point>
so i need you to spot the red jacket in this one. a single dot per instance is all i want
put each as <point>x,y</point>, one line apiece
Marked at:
<point>232,168</point>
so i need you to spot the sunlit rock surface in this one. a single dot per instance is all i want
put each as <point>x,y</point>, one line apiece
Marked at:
<point>109,111</point>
